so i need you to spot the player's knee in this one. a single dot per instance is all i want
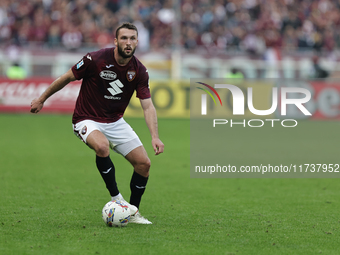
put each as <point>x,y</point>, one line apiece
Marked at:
<point>147,164</point>
<point>102,150</point>
<point>144,167</point>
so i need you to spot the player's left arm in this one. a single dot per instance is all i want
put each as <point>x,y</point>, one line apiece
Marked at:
<point>150,116</point>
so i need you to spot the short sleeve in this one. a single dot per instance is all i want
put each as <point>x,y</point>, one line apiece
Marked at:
<point>143,90</point>
<point>84,67</point>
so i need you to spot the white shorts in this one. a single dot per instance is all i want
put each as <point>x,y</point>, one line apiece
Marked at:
<point>121,136</point>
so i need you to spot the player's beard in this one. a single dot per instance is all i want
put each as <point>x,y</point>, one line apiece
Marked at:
<point>123,54</point>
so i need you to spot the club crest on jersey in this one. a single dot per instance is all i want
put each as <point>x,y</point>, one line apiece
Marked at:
<point>108,75</point>
<point>130,75</point>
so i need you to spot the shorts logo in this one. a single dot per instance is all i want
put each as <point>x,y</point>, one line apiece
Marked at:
<point>130,75</point>
<point>80,64</point>
<point>108,75</point>
<point>84,130</point>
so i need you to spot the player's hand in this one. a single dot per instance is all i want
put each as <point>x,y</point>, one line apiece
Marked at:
<point>157,145</point>
<point>36,106</point>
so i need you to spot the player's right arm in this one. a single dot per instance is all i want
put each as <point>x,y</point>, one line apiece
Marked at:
<point>38,103</point>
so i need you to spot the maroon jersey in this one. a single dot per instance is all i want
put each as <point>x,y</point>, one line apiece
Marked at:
<point>107,87</point>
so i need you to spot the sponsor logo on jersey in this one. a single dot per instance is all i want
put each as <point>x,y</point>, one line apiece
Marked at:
<point>108,75</point>
<point>80,64</point>
<point>115,89</point>
<point>109,66</point>
<point>130,75</point>
<point>113,98</point>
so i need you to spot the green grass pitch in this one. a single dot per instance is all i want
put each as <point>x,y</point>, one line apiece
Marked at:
<point>52,196</point>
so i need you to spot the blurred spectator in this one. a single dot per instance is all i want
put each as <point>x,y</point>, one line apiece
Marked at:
<point>213,25</point>
<point>254,44</point>
<point>166,14</point>
<point>291,21</point>
<point>16,72</point>
<point>237,36</point>
<point>143,36</point>
<point>54,36</point>
<point>235,73</point>
<point>318,72</point>
<point>38,32</point>
<point>72,38</point>
<point>289,39</point>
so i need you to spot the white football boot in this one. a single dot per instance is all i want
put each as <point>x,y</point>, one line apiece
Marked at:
<point>133,209</point>
<point>139,219</point>
<point>136,217</point>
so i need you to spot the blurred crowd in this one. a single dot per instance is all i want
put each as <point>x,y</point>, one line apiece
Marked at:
<point>248,25</point>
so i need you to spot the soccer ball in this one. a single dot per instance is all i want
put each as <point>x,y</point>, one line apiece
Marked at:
<point>116,213</point>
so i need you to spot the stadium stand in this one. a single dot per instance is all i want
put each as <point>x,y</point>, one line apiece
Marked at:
<point>247,25</point>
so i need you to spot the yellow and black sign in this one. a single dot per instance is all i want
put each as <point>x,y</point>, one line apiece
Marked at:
<point>171,99</point>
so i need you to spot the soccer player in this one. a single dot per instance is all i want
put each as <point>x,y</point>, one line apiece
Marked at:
<point>110,76</point>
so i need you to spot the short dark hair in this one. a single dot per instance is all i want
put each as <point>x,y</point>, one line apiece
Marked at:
<point>128,26</point>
